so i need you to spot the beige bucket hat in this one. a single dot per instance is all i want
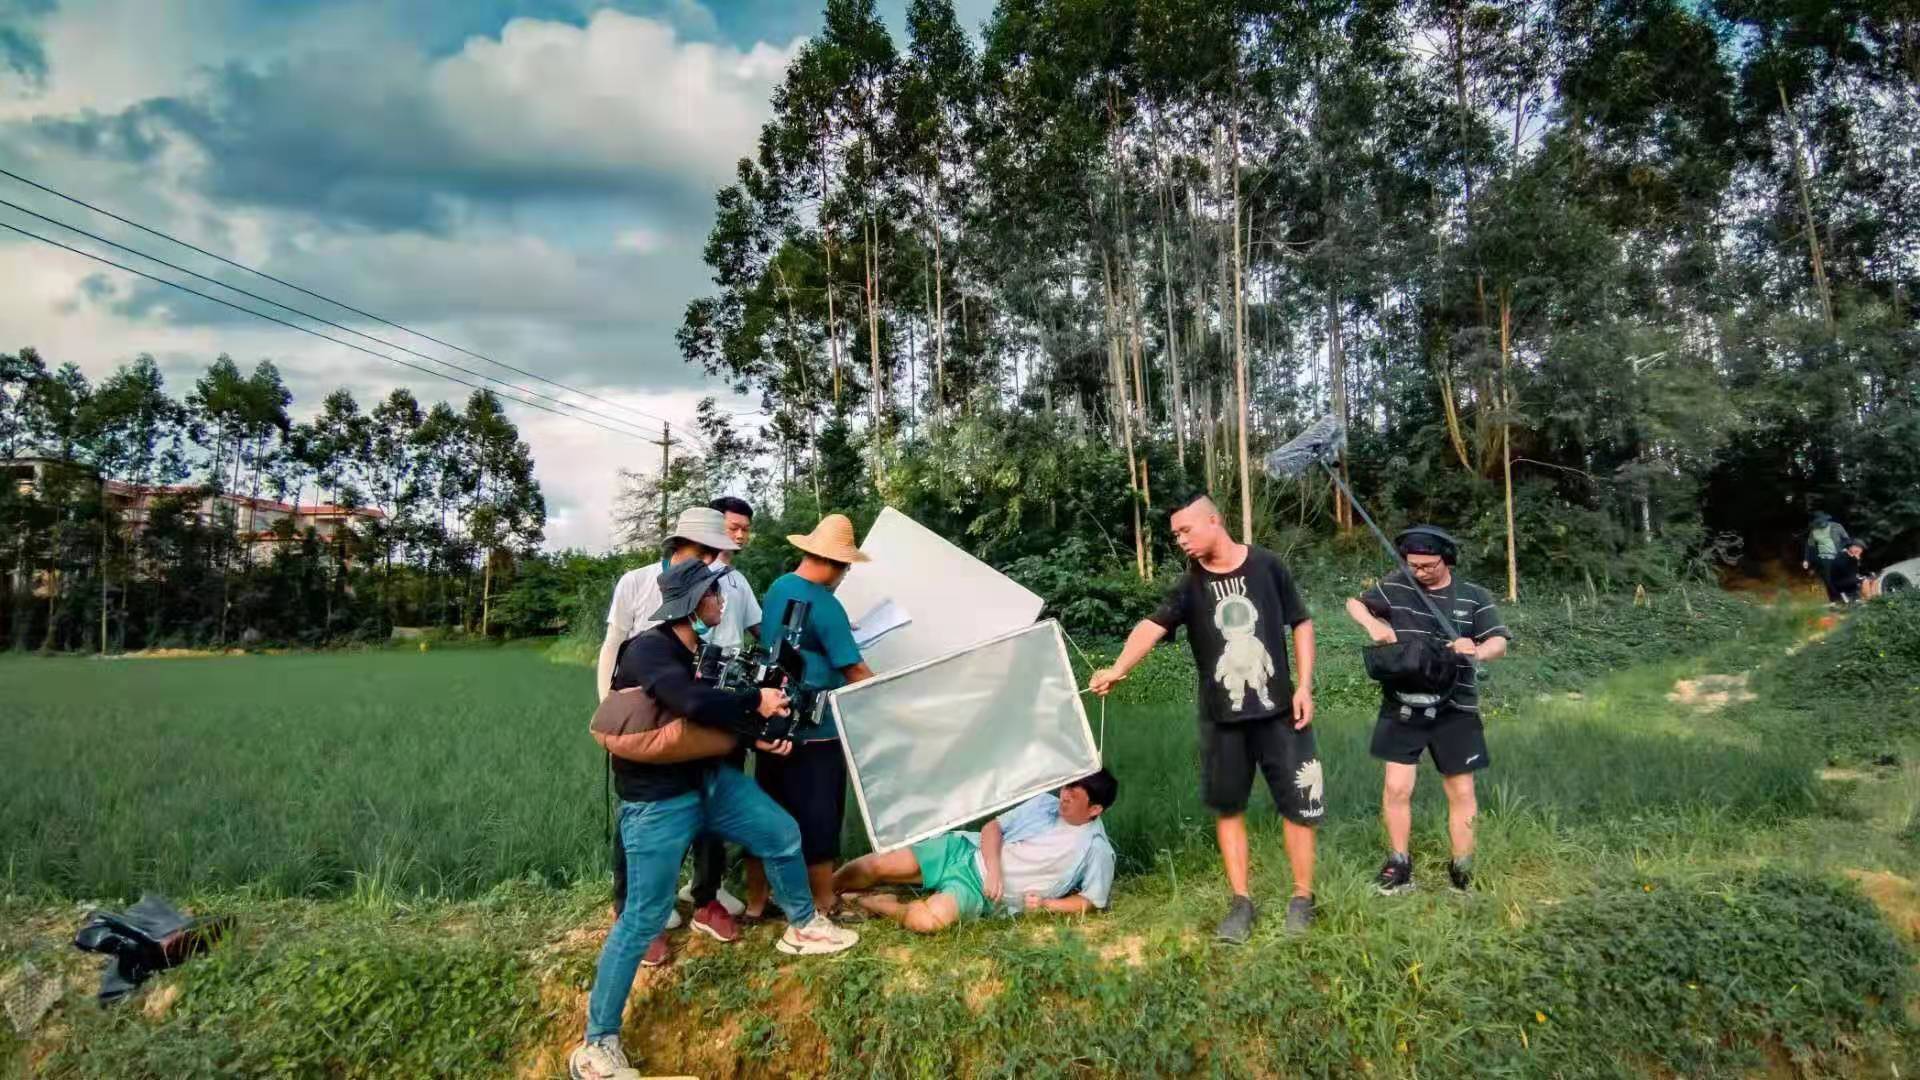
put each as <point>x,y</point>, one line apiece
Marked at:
<point>832,539</point>
<point>703,526</point>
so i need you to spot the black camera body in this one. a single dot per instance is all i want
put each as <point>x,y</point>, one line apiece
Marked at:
<point>774,664</point>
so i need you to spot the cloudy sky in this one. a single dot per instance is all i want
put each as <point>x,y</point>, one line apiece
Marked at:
<point>529,179</point>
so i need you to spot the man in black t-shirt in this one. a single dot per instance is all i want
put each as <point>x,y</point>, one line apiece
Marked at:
<point>1237,603</point>
<point>1445,726</point>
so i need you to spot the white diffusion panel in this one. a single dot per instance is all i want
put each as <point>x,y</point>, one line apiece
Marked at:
<point>938,745</point>
<point>950,598</point>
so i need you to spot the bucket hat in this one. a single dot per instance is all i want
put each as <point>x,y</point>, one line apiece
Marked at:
<point>682,586</point>
<point>705,526</point>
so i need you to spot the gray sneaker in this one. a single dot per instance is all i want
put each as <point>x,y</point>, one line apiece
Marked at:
<point>1299,914</point>
<point>1237,927</point>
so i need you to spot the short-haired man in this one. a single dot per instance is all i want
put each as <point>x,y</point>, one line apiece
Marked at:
<point>743,608</point>
<point>1050,853</point>
<point>664,806</point>
<point>1826,540</point>
<point>1237,603</point>
<point>1445,726</point>
<point>699,534</point>
<point>811,782</point>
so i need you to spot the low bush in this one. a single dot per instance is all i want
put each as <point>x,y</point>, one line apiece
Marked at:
<point>1857,690</point>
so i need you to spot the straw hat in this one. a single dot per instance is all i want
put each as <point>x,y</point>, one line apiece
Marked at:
<point>832,540</point>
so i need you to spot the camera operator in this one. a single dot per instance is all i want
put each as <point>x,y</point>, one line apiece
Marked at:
<point>700,533</point>
<point>811,783</point>
<point>664,806</point>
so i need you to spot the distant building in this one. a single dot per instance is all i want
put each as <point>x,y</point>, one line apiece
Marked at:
<point>253,518</point>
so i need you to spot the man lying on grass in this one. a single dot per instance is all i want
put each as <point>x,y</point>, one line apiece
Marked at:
<point>1050,853</point>
<point>682,786</point>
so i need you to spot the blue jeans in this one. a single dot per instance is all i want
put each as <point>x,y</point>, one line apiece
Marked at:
<point>655,836</point>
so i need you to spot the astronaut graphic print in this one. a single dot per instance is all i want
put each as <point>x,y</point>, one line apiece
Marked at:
<point>1237,624</point>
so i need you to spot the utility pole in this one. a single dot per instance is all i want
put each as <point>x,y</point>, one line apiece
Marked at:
<point>666,444</point>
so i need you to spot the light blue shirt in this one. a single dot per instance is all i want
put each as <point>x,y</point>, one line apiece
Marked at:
<point>1083,866</point>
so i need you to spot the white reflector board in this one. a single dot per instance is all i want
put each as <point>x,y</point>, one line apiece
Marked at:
<point>937,745</point>
<point>950,599</point>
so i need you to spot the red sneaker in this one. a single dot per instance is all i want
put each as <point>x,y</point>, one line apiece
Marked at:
<point>659,954</point>
<point>715,922</point>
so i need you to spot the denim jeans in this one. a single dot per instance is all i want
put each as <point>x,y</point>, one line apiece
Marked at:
<point>655,836</point>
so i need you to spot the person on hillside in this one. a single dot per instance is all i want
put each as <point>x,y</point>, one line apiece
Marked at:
<point>1050,853</point>
<point>714,908</point>
<point>1849,583</point>
<point>664,806</point>
<point>811,783</point>
<point>1237,603</point>
<point>1826,539</point>
<point>702,534</point>
<point>1445,726</point>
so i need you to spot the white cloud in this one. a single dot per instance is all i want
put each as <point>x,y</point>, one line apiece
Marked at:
<point>621,91</point>
<point>640,241</point>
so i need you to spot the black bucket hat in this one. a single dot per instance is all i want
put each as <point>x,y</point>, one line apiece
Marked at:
<point>682,586</point>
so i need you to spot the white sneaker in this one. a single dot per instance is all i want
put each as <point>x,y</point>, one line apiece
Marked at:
<point>734,905</point>
<point>600,1059</point>
<point>674,919</point>
<point>818,938</point>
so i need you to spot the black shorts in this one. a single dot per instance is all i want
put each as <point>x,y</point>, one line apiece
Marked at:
<point>811,785</point>
<point>1230,751</point>
<point>1456,741</point>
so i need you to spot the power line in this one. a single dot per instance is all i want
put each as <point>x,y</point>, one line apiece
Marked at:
<point>316,318</point>
<point>308,330</point>
<point>55,192</point>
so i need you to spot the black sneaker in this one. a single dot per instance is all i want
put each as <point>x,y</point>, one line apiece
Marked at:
<point>1299,914</point>
<point>1460,873</point>
<point>1396,876</point>
<point>1237,927</point>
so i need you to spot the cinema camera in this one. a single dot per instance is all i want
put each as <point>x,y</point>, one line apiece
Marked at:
<point>774,664</point>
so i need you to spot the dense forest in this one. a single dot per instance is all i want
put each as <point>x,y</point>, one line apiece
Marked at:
<point>1621,290</point>
<point>132,518</point>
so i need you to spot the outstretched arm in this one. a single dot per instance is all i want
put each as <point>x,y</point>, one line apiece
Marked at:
<point>1139,643</point>
<point>1065,905</point>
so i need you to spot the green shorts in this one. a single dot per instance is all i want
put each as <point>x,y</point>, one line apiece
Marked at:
<point>947,865</point>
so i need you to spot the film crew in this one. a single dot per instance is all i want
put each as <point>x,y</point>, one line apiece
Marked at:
<point>1826,539</point>
<point>1848,581</point>
<point>700,533</point>
<point>714,908</point>
<point>1237,603</point>
<point>1050,853</point>
<point>665,803</point>
<point>811,782</point>
<point>1446,724</point>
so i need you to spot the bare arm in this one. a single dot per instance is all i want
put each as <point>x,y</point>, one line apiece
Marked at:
<point>1376,628</point>
<point>991,841</point>
<point>603,668</point>
<point>1303,652</point>
<point>1491,649</point>
<point>1065,905</point>
<point>1139,643</point>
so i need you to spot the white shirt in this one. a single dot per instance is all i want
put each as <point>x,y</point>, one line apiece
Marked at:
<point>635,598</point>
<point>742,612</point>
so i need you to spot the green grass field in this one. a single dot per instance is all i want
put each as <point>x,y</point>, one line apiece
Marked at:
<point>413,843</point>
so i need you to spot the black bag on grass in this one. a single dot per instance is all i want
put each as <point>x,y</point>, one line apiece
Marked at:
<point>151,936</point>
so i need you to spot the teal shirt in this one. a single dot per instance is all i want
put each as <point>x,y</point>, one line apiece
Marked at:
<point>826,644</point>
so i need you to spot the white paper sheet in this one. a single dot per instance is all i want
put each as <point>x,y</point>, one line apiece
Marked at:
<point>885,618</point>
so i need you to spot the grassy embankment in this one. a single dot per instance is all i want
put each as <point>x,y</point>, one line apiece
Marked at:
<point>413,846</point>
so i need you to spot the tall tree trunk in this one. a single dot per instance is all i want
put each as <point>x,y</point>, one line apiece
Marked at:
<point>1820,285</point>
<point>1506,434</point>
<point>939,307</point>
<point>1337,374</point>
<point>878,391</point>
<point>486,595</point>
<point>1240,344</point>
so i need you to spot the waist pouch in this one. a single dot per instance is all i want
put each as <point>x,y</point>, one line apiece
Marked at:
<point>1416,672</point>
